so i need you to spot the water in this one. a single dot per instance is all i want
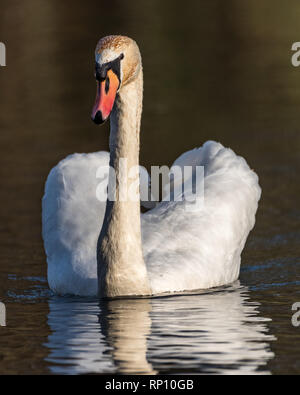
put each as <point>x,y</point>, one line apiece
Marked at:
<point>219,331</point>
<point>213,70</point>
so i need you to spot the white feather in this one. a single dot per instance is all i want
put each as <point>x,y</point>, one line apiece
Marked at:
<point>183,249</point>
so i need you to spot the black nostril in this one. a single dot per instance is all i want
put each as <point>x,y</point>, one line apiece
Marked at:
<point>98,118</point>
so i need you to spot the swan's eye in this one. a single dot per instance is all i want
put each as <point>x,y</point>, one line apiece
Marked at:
<point>107,83</point>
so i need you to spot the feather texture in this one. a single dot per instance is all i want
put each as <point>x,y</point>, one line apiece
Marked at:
<point>183,248</point>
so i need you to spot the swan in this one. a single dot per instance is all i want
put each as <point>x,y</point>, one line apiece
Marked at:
<point>109,248</point>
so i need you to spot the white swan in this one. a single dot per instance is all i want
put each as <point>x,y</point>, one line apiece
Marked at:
<point>170,248</point>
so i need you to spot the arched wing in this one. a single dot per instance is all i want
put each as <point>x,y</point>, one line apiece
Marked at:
<point>187,248</point>
<point>72,218</point>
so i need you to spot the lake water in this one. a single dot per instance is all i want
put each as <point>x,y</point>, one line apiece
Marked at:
<point>213,70</point>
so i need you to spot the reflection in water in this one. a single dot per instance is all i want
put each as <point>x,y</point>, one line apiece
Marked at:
<point>222,332</point>
<point>76,343</point>
<point>126,324</point>
<point>214,332</point>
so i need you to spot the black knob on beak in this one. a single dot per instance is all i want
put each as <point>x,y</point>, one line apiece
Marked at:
<point>98,119</point>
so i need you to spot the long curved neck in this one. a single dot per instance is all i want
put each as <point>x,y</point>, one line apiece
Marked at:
<point>121,267</point>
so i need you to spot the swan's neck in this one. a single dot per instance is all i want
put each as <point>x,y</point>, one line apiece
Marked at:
<point>121,267</point>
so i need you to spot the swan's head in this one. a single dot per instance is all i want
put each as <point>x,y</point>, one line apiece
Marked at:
<point>118,62</point>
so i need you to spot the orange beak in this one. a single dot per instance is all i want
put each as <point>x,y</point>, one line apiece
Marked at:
<point>105,97</point>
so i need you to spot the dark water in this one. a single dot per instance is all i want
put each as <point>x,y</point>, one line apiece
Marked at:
<point>213,70</point>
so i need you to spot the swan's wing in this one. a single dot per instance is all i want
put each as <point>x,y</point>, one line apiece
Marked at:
<point>72,218</point>
<point>192,249</point>
<point>73,211</point>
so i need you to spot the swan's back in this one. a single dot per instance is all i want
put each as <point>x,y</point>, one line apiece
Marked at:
<point>186,249</point>
<point>72,219</point>
<point>183,249</point>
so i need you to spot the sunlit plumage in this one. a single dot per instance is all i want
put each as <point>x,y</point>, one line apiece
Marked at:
<point>182,249</point>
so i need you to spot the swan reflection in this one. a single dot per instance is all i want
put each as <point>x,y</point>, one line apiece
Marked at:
<point>213,332</point>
